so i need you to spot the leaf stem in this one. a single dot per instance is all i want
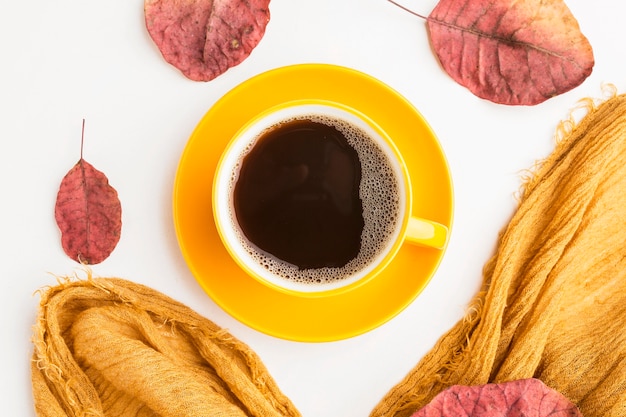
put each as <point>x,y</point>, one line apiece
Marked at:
<point>407,9</point>
<point>82,139</point>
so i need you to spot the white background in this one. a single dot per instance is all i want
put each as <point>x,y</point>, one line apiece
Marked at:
<point>66,60</point>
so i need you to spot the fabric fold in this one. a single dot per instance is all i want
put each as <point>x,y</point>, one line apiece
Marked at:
<point>107,346</point>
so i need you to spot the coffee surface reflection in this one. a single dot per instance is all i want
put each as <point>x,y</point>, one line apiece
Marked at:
<point>297,195</point>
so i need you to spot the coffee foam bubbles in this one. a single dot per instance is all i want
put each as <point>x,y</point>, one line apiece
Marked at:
<point>380,194</point>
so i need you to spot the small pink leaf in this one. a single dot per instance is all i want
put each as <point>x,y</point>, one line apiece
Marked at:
<point>524,397</point>
<point>510,51</point>
<point>88,213</point>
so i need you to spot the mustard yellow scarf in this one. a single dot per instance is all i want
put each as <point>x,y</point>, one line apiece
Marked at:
<point>553,302</point>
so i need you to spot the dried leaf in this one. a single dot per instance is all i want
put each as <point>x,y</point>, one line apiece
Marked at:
<point>526,397</point>
<point>518,52</point>
<point>88,213</point>
<point>203,38</point>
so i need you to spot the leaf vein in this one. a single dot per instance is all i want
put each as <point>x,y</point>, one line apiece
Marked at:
<point>504,40</point>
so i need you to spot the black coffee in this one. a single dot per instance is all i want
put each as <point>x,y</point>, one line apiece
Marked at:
<point>297,195</point>
<point>315,199</point>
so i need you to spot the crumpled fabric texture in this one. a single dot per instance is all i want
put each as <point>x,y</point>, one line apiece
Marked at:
<point>553,302</point>
<point>110,347</point>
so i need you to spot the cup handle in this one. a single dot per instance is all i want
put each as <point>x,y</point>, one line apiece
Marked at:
<point>426,233</point>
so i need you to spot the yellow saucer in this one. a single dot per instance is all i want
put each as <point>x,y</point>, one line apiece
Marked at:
<point>309,319</point>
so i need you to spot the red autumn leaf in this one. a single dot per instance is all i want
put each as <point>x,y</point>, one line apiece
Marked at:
<point>203,38</point>
<point>88,213</point>
<point>511,51</point>
<point>526,397</point>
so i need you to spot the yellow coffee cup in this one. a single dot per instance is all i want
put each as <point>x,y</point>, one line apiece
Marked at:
<point>311,168</point>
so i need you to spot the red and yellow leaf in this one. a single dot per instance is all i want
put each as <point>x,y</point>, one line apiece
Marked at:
<point>88,213</point>
<point>517,52</point>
